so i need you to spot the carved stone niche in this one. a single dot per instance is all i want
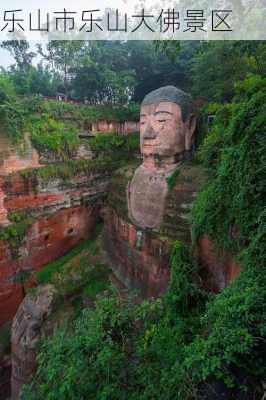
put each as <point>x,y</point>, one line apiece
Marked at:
<point>30,324</point>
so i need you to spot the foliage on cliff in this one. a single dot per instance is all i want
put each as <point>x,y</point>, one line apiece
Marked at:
<point>112,152</point>
<point>231,211</point>
<point>53,126</point>
<point>230,207</point>
<point>186,343</point>
<point>111,144</point>
<point>68,169</point>
<point>79,275</point>
<point>53,136</point>
<point>15,232</point>
<point>124,351</point>
<point>11,111</point>
<point>91,113</point>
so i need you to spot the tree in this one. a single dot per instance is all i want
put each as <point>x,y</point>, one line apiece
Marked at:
<point>42,81</point>
<point>62,56</point>
<point>222,64</point>
<point>20,50</point>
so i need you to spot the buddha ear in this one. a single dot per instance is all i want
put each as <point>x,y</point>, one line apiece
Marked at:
<point>190,131</point>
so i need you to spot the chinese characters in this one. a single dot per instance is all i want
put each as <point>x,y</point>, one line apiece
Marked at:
<point>166,20</point>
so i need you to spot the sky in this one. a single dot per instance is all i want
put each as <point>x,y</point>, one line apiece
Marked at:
<point>5,58</point>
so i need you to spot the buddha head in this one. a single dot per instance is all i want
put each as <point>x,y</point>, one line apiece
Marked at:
<point>167,126</point>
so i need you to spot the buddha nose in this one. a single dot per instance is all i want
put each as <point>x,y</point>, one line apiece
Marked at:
<point>149,133</point>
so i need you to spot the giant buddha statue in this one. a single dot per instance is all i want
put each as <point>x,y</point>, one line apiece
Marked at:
<point>167,126</point>
<point>148,206</point>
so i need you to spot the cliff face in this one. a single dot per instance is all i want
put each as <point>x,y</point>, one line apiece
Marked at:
<point>3,210</point>
<point>44,214</point>
<point>30,324</point>
<point>140,258</point>
<point>42,219</point>
<point>219,267</point>
<point>15,158</point>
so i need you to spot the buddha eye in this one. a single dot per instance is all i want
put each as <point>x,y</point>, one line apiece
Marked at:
<point>161,120</point>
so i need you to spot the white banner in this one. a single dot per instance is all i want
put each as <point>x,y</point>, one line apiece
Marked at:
<point>135,20</point>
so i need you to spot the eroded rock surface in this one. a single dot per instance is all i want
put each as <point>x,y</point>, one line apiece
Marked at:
<point>64,212</point>
<point>30,324</point>
<point>3,210</point>
<point>15,158</point>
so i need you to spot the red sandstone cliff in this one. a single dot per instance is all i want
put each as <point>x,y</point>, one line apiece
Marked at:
<point>63,212</point>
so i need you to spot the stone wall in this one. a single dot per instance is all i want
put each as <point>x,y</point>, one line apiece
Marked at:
<point>138,259</point>
<point>123,128</point>
<point>219,267</point>
<point>15,158</point>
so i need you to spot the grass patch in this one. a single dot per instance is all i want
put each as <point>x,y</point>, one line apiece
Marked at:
<point>71,168</point>
<point>45,275</point>
<point>98,280</point>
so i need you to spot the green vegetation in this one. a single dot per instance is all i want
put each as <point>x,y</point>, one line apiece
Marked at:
<point>89,113</point>
<point>45,274</point>
<point>97,281</point>
<point>171,344</point>
<point>111,152</point>
<point>109,144</point>
<point>234,152</point>
<point>171,180</point>
<point>5,338</point>
<point>81,279</point>
<point>53,126</point>
<point>71,168</point>
<point>182,343</point>
<point>118,72</point>
<point>15,232</point>
<point>11,111</point>
<point>54,136</point>
<point>132,348</point>
<point>79,275</point>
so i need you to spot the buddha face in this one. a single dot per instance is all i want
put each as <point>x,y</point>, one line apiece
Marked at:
<point>163,133</point>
